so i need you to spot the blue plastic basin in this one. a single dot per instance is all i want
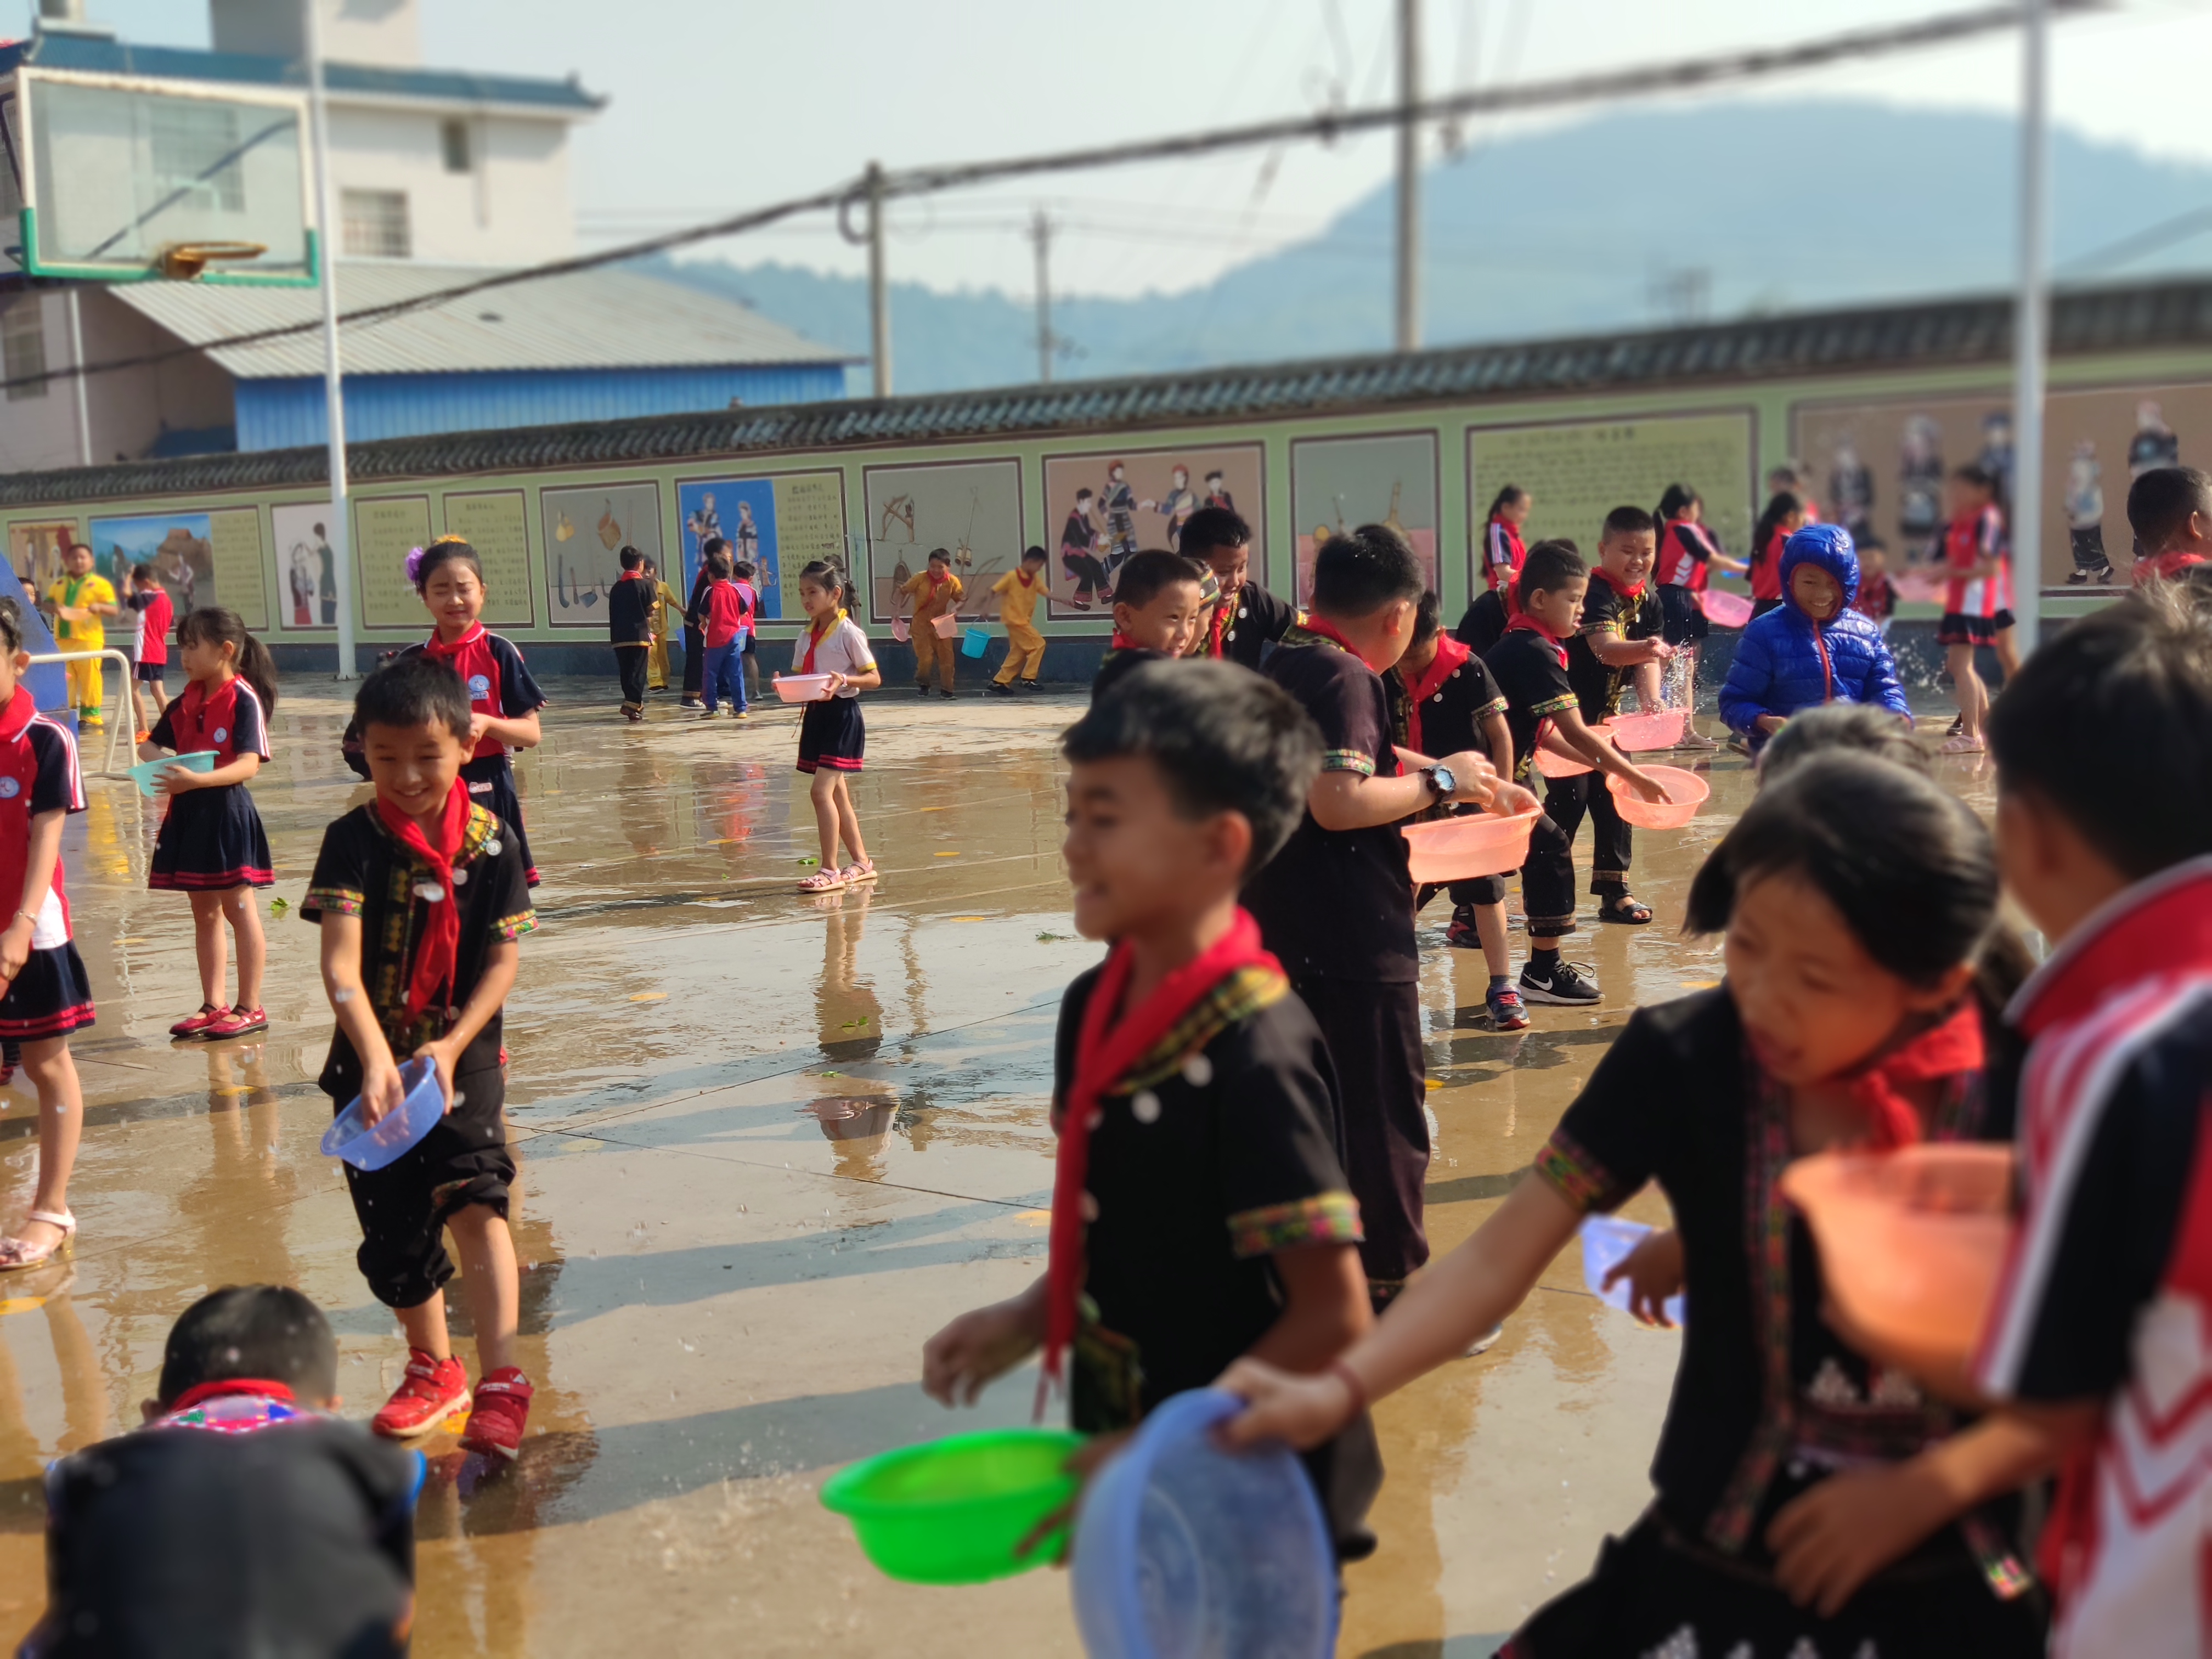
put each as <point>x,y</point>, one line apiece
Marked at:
<point>398,1131</point>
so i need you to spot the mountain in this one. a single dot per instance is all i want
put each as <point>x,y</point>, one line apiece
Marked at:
<point>1737,209</point>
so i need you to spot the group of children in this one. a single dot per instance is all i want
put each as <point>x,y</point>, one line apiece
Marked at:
<point>80,603</point>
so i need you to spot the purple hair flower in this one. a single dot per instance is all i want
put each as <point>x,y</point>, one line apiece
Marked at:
<point>415,567</point>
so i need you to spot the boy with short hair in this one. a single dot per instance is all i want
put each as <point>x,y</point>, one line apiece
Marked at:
<point>1018,591</point>
<point>1978,599</point>
<point>2170,510</point>
<point>1336,904</point>
<point>725,615</point>
<point>1443,699</point>
<point>78,604</point>
<point>748,596</point>
<point>242,1518</point>
<point>935,593</point>
<point>153,634</point>
<point>1199,1210</point>
<point>1246,618</point>
<point>629,630</point>
<point>1156,603</point>
<point>1530,664</point>
<point>1622,631</point>
<point>422,898</point>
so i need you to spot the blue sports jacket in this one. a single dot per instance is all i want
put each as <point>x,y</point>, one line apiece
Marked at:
<point>1786,661</point>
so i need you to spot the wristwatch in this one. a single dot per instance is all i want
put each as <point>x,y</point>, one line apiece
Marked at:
<point>1441,779</point>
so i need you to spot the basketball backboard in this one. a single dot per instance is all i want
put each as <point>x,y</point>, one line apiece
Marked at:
<point>123,179</point>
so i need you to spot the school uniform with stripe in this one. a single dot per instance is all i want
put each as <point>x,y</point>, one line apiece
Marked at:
<point>499,684</point>
<point>38,772</point>
<point>211,840</point>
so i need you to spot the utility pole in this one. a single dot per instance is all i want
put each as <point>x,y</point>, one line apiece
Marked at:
<point>83,391</point>
<point>338,529</point>
<point>1040,234</point>
<point>879,297</point>
<point>2030,325</point>
<point>1409,176</point>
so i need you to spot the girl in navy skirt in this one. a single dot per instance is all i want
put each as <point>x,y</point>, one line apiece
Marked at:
<point>831,737</point>
<point>45,994</point>
<point>503,699</point>
<point>211,844</point>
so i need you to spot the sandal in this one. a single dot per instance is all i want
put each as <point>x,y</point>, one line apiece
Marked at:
<point>853,874</point>
<point>1959,743</point>
<point>15,1255</point>
<point>823,881</point>
<point>1625,910</point>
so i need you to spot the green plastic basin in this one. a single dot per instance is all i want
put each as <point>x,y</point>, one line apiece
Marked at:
<point>951,1512</point>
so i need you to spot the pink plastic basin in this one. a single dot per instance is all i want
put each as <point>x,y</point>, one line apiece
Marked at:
<point>1916,586</point>
<point>1660,729</point>
<point>1724,610</point>
<point>1473,844</point>
<point>1685,792</point>
<point>946,625</point>
<point>1552,764</point>
<point>802,688</point>
<point>899,629</point>
<point>1911,1241</point>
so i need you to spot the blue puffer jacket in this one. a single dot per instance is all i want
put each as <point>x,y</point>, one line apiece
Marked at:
<point>1786,661</point>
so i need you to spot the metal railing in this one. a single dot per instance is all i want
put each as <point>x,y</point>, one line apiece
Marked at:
<point>115,725</point>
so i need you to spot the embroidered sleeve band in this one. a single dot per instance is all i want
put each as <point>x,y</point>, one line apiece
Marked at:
<point>508,928</point>
<point>1324,1218</point>
<point>1581,1179</point>
<point>333,902</point>
<point>1553,705</point>
<point>1347,760</point>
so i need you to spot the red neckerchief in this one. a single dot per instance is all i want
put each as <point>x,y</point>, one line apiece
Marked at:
<point>470,656</point>
<point>196,711</point>
<point>200,1394</point>
<point>1328,631</point>
<point>1025,579</point>
<point>441,652</point>
<point>816,633</point>
<point>19,762</point>
<point>2151,566</point>
<point>1102,1058</point>
<point>1223,609</point>
<point>1630,593</point>
<point>441,939</point>
<point>1122,642</point>
<point>1450,656</point>
<point>1525,620</point>
<point>1944,1050</point>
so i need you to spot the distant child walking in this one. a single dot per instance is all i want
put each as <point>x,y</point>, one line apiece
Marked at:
<point>725,615</point>
<point>211,845</point>
<point>1785,515</point>
<point>1977,600</point>
<point>629,630</point>
<point>748,596</point>
<point>935,593</point>
<point>503,699</point>
<point>160,616</point>
<point>1159,609</point>
<point>832,738</point>
<point>422,899</point>
<point>48,995</point>
<point>1877,597</point>
<point>80,603</point>
<point>1688,551</point>
<point>664,606</point>
<point>1504,551</point>
<point>1018,591</point>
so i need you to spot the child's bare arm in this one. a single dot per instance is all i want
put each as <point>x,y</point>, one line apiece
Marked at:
<point>1654,1271</point>
<point>1325,1309</point>
<point>379,1077</point>
<point>517,732</point>
<point>985,1343</point>
<point>1498,736</point>
<point>1587,745</point>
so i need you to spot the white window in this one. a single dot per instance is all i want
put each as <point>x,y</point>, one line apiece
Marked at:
<point>454,141</point>
<point>374,224</point>
<point>24,345</point>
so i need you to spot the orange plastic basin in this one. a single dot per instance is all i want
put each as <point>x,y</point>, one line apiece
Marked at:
<point>1473,844</point>
<point>1685,793</point>
<point>1662,728</point>
<point>946,625</point>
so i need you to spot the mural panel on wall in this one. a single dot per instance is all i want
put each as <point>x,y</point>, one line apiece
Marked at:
<point>1580,470</point>
<point>1884,462</point>
<point>780,525</point>
<point>1110,503</point>
<point>202,558</point>
<point>586,530</point>
<point>34,549</point>
<point>496,523</point>
<point>1340,483</point>
<point>307,567</point>
<point>386,530</point>
<point>972,509</point>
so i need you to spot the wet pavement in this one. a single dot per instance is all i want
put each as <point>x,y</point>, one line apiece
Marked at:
<point>768,1142</point>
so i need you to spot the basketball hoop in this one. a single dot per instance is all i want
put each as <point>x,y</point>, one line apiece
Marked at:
<point>182,261</point>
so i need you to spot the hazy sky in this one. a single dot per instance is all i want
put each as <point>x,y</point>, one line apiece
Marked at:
<point>720,105</point>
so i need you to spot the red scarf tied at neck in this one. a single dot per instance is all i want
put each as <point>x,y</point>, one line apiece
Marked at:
<point>1103,1058</point>
<point>1451,657</point>
<point>434,962</point>
<point>1943,1050</point>
<point>1525,620</point>
<point>1224,608</point>
<point>1330,632</point>
<point>439,651</point>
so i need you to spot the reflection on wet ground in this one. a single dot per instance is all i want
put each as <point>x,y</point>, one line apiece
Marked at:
<point>768,1144</point>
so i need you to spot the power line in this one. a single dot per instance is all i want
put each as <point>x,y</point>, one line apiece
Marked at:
<point>1682,75</point>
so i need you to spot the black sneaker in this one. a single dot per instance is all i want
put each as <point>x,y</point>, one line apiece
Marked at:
<point>999,690</point>
<point>923,688</point>
<point>1025,685</point>
<point>949,692</point>
<point>1571,982</point>
<point>1462,934</point>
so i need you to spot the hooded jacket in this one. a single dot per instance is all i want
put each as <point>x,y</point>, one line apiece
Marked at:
<point>1786,661</point>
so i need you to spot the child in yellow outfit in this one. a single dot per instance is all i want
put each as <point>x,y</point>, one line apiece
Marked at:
<point>78,603</point>
<point>1018,591</point>
<point>935,593</point>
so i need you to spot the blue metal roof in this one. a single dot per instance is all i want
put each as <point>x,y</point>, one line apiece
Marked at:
<point>93,54</point>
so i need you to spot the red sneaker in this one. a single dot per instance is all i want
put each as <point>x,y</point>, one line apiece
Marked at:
<point>432,1391</point>
<point>194,1025</point>
<point>498,1414</point>
<point>236,1023</point>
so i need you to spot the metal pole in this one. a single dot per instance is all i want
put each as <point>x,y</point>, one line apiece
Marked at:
<point>83,394</point>
<point>1041,233</point>
<point>333,384</point>
<point>2031,326</point>
<point>879,297</point>
<point>1409,176</point>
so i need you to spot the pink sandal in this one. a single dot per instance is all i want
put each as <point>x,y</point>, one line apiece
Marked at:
<point>823,881</point>
<point>853,874</point>
<point>15,1255</point>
